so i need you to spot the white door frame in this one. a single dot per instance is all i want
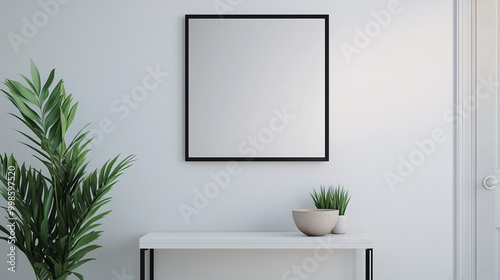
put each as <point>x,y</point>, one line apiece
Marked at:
<point>465,140</point>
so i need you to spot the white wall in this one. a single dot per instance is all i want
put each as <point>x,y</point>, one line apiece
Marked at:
<point>392,94</point>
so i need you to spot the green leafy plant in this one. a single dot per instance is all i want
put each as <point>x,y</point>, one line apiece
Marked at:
<point>340,198</point>
<point>54,211</point>
<point>323,199</point>
<point>331,198</point>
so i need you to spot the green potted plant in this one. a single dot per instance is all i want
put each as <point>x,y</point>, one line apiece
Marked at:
<point>53,212</point>
<point>341,198</point>
<point>333,198</point>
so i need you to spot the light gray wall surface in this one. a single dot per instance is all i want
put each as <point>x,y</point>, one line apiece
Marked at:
<point>391,143</point>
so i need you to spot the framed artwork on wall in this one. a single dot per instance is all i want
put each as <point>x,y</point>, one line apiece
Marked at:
<point>256,88</point>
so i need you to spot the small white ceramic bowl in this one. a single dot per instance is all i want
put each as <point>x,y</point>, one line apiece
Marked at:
<point>315,222</point>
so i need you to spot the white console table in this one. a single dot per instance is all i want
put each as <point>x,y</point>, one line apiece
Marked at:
<point>252,240</point>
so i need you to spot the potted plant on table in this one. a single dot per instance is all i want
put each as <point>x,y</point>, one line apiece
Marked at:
<point>333,198</point>
<point>341,198</point>
<point>53,212</point>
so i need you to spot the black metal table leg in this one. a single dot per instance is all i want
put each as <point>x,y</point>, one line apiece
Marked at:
<point>369,264</point>
<point>151,264</point>
<point>143,272</point>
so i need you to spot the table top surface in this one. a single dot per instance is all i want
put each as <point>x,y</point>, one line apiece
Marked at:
<point>253,240</point>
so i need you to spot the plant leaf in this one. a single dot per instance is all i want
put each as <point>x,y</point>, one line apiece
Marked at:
<point>35,76</point>
<point>22,91</point>
<point>48,83</point>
